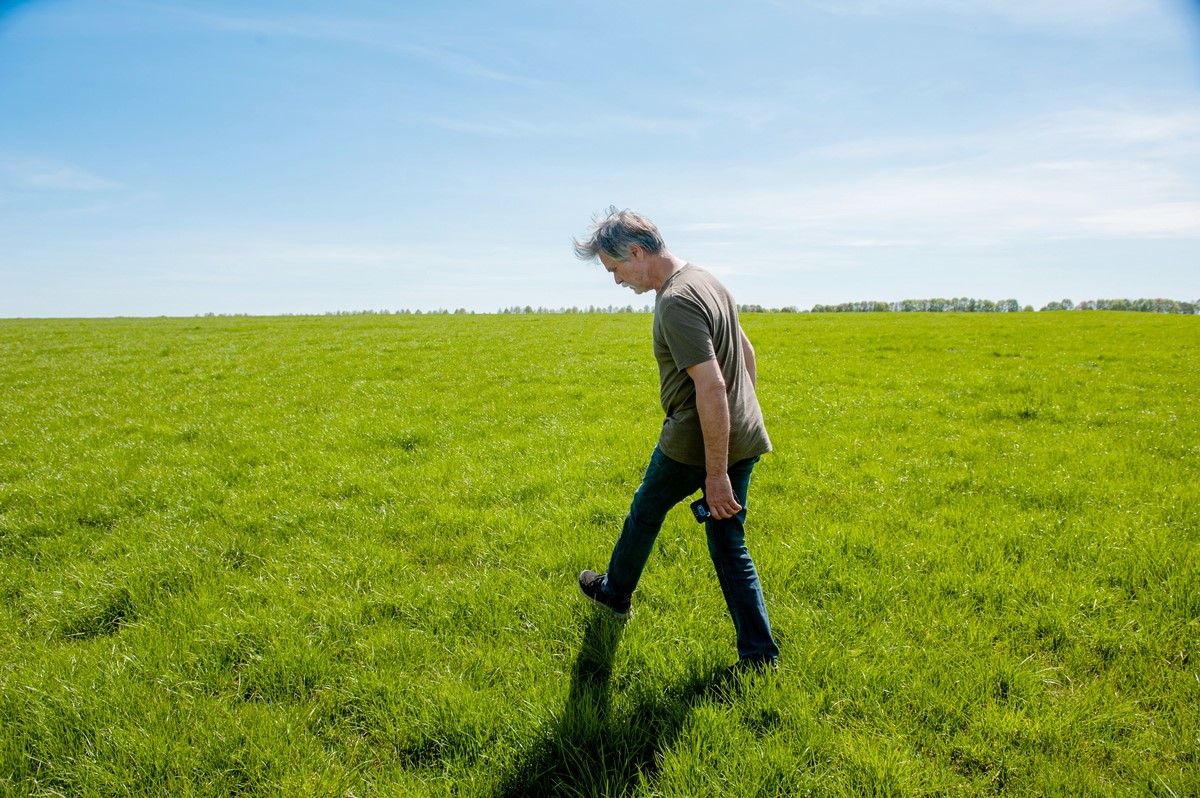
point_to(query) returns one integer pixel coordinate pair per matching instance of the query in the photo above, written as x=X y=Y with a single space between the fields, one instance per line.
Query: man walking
x=713 y=433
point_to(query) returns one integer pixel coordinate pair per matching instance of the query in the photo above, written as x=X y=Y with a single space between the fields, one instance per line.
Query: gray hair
x=614 y=232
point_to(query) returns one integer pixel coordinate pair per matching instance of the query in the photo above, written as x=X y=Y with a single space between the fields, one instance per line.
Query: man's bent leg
x=738 y=576
x=666 y=483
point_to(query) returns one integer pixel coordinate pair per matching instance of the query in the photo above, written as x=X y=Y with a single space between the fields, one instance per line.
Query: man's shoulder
x=691 y=274
x=692 y=284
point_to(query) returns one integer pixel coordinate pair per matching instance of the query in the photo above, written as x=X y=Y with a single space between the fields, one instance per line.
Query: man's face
x=633 y=273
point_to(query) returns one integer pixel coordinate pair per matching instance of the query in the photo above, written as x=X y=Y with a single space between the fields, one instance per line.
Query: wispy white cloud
x=526 y=127
x=979 y=207
x=1075 y=175
x=747 y=109
x=1161 y=220
x=386 y=36
x=696 y=227
x=49 y=175
x=340 y=254
x=1139 y=133
x=1078 y=14
x=507 y=127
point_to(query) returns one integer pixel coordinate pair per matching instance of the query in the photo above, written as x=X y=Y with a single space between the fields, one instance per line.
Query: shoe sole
x=619 y=615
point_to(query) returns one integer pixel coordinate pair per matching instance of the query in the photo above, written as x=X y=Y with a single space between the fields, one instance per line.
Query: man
x=713 y=433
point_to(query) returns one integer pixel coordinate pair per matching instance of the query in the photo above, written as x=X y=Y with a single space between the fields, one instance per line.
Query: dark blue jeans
x=666 y=483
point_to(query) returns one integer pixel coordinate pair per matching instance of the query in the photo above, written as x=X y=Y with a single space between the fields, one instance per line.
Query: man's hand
x=718 y=494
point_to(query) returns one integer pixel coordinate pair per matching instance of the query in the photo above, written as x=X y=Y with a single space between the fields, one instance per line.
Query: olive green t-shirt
x=695 y=320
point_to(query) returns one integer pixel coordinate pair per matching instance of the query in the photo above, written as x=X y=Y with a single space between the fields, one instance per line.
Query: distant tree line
x=956 y=305
x=969 y=305
x=514 y=310
x=761 y=309
x=1137 y=305
x=517 y=309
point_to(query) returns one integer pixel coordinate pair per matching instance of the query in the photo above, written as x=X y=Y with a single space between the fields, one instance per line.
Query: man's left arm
x=712 y=404
x=748 y=357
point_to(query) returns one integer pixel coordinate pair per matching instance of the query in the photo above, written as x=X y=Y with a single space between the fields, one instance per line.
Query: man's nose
x=616 y=278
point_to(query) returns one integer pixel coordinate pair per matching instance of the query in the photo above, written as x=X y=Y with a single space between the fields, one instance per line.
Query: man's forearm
x=712 y=405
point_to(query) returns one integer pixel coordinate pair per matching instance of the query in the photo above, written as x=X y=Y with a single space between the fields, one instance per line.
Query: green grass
x=337 y=556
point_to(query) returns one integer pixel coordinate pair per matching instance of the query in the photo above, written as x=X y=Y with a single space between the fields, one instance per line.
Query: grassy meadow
x=336 y=556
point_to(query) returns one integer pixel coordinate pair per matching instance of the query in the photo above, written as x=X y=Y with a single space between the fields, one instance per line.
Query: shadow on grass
x=590 y=750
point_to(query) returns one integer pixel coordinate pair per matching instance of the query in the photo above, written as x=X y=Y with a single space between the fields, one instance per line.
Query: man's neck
x=663 y=267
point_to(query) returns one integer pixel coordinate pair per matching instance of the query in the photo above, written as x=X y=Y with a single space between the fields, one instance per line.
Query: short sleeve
x=687 y=331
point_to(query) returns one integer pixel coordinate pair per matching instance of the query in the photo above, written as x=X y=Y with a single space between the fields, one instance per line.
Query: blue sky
x=181 y=158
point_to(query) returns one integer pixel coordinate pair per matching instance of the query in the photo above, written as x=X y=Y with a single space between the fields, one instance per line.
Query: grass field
x=336 y=556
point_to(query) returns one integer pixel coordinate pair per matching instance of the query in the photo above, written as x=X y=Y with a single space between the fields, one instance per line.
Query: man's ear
x=636 y=252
